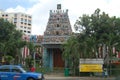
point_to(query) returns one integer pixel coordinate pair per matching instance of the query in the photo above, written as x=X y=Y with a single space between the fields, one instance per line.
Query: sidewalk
x=60 y=76
x=54 y=75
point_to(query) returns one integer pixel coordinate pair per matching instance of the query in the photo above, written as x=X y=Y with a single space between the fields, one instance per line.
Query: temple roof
x=58 y=28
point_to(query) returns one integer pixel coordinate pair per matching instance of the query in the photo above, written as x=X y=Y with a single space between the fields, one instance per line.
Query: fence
x=114 y=69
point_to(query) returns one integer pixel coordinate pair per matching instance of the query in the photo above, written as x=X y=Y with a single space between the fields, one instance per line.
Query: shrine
x=58 y=30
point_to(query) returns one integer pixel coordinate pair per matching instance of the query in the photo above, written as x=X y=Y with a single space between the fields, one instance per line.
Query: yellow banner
x=90 y=68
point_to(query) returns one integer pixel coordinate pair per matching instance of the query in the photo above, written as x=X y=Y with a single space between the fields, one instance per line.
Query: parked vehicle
x=16 y=72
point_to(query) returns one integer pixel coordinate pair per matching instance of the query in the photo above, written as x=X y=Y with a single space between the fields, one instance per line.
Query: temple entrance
x=55 y=35
x=57 y=58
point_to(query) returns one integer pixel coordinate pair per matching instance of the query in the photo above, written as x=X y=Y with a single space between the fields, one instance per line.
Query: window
x=15 y=20
x=29 y=24
x=29 y=21
x=25 y=15
x=21 y=19
x=25 y=20
x=6 y=14
x=15 y=23
x=16 y=69
x=29 y=28
x=29 y=16
x=5 y=69
x=29 y=32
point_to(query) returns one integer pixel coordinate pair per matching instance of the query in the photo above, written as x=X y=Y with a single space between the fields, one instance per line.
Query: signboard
x=91 y=68
x=91 y=61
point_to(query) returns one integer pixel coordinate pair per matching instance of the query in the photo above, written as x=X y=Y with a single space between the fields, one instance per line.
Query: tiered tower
x=58 y=30
x=58 y=27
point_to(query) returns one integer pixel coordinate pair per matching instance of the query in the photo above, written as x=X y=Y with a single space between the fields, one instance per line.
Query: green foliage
x=10 y=39
x=8 y=59
x=28 y=61
x=71 y=53
x=42 y=69
x=95 y=30
x=98 y=28
x=31 y=47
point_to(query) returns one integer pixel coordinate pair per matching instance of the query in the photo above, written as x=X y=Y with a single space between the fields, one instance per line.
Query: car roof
x=10 y=66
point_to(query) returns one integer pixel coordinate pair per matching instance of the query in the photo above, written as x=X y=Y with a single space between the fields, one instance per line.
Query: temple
x=58 y=30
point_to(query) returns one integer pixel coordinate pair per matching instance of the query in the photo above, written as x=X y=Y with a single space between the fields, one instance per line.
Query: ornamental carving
x=58 y=28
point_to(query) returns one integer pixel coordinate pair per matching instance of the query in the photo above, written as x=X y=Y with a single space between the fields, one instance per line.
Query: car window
x=5 y=69
x=16 y=69
x=22 y=70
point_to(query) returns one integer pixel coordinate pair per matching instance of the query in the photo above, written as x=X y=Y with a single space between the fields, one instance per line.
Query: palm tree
x=71 y=53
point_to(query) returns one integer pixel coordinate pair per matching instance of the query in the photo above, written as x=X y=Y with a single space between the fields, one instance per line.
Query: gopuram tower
x=58 y=30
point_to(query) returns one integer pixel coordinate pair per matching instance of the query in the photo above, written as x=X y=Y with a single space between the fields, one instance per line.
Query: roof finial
x=58 y=6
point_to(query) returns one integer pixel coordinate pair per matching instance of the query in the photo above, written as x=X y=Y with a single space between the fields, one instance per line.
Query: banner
x=91 y=68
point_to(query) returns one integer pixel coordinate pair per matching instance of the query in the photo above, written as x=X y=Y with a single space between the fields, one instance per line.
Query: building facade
x=58 y=30
x=22 y=21
x=38 y=52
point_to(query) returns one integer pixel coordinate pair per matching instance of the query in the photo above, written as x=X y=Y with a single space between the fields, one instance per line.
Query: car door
x=5 y=73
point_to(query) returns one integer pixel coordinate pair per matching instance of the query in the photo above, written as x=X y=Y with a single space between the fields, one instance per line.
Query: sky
x=39 y=9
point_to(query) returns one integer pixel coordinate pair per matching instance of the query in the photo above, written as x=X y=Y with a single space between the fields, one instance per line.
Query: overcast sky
x=39 y=9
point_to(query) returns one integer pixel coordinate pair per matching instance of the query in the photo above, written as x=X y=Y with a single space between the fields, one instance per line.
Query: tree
x=86 y=38
x=98 y=29
x=10 y=39
x=71 y=54
x=31 y=47
x=29 y=59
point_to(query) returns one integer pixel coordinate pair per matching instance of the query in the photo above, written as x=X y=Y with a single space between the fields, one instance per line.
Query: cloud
x=40 y=16
x=17 y=9
x=113 y=8
x=40 y=10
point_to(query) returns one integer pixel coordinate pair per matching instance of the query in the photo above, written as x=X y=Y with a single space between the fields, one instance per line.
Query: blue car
x=16 y=72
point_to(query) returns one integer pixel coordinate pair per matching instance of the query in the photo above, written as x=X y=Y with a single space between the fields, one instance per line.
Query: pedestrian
x=32 y=69
x=106 y=73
